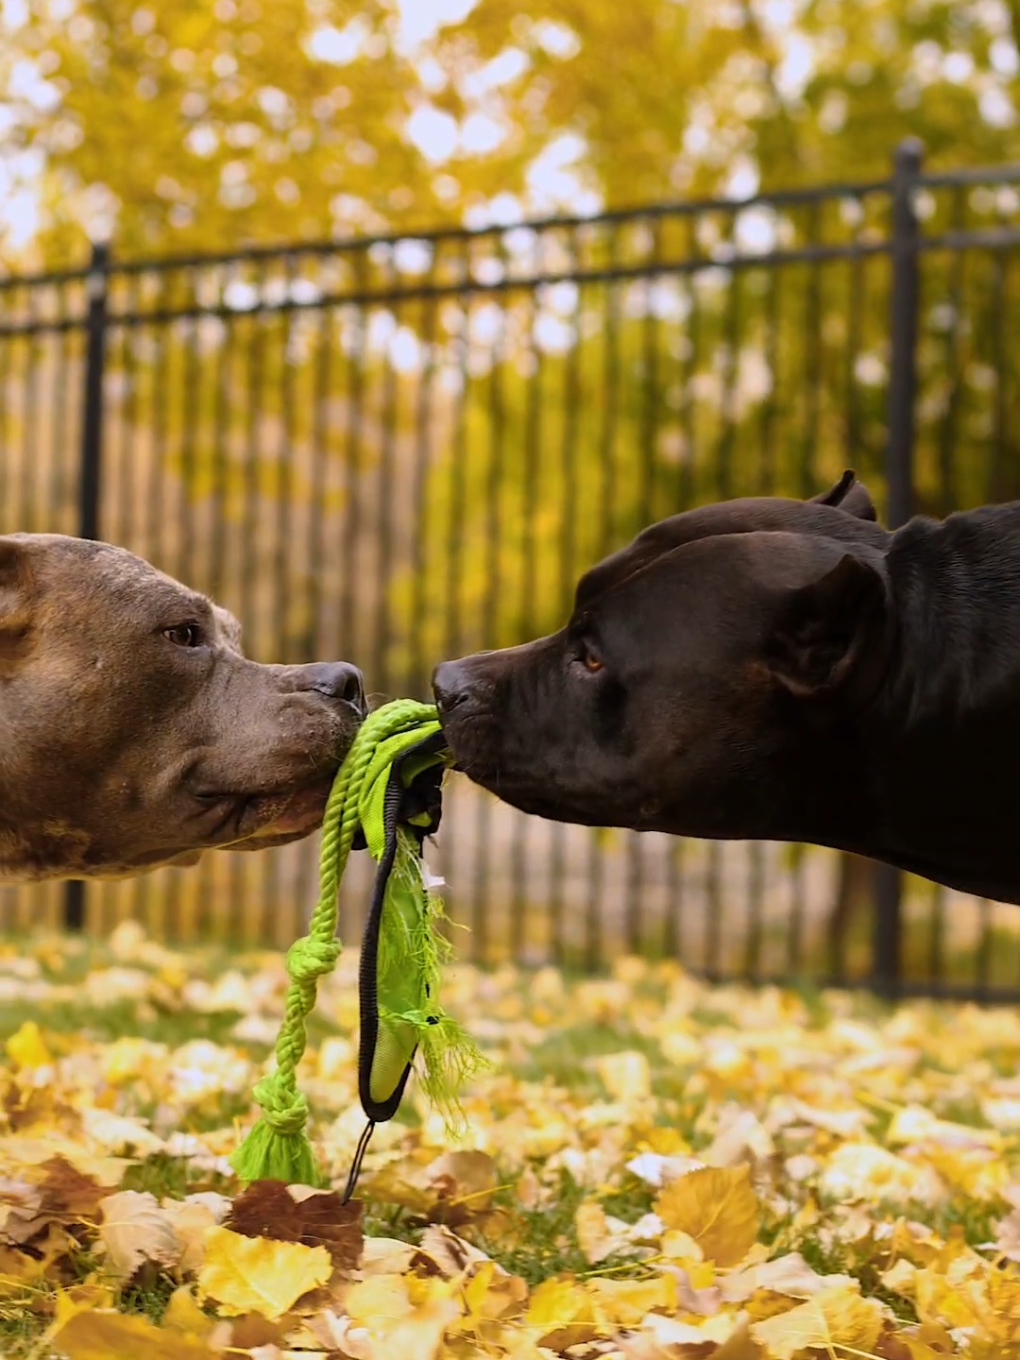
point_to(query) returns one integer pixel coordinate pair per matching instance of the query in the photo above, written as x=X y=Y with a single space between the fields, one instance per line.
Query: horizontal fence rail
x=399 y=449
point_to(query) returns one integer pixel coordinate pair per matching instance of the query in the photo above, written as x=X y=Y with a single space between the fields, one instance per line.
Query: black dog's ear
x=850 y=496
x=14 y=595
x=831 y=634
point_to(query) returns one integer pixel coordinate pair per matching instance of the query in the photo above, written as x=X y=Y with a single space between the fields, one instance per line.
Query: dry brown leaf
x=20 y=1210
x=66 y=1190
x=594 y=1235
x=115 y=1133
x=463 y=1184
x=789 y=1275
x=386 y=1256
x=190 y=1218
x=252 y=1330
x=300 y=1214
x=265 y=1209
x=450 y=1253
x=1007 y=1236
x=453 y=1188
x=134 y=1229
x=36 y=1150
x=717 y=1207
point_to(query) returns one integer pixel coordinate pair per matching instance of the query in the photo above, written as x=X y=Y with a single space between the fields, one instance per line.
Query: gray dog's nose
x=450 y=685
x=338 y=680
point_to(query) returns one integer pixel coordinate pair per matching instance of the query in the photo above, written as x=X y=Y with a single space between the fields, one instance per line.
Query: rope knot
x=309 y=958
x=284 y=1110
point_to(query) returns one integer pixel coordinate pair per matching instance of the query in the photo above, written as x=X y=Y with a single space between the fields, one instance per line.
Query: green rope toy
x=388 y=788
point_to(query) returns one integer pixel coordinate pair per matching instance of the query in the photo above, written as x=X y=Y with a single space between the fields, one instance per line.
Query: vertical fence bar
x=91 y=467
x=887 y=960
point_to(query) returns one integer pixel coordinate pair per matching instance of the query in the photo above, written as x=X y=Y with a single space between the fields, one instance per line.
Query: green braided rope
x=277 y=1148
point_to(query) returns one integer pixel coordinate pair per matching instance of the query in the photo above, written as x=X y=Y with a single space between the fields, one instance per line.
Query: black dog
x=779 y=670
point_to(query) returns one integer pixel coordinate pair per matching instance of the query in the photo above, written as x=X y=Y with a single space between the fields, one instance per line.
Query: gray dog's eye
x=184 y=635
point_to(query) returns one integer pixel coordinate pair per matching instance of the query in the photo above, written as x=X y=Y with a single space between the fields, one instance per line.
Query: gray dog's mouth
x=252 y=821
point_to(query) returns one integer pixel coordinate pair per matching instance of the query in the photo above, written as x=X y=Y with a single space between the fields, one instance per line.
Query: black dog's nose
x=450 y=685
x=338 y=680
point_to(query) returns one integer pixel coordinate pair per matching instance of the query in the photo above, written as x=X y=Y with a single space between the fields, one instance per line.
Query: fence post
x=899 y=471
x=91 y=467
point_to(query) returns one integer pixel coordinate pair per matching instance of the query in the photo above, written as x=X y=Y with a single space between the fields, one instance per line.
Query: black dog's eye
x=184 y=635
x=590 y=661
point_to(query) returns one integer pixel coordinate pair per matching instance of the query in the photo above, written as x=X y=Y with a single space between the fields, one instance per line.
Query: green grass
x=103 y=1024
x=834 y=1260
x=148 y=1294
x=564 y=1056
x=545 y=1240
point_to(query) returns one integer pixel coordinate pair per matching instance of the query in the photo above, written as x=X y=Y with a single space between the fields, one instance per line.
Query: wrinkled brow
x=229 y=628
x=746 y=516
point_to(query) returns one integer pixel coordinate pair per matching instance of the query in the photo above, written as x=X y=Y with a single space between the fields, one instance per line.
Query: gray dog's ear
x=14 y=598
x=850 y=496
x=830 y=634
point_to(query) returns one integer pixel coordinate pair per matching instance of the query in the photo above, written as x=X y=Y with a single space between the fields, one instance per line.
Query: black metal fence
x=395 y=450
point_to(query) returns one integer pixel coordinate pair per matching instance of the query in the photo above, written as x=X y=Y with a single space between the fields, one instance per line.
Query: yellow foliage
x=717 y=1208
x=255 y=1274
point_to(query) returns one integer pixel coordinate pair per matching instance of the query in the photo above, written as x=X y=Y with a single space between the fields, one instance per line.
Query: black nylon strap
x=398 y=804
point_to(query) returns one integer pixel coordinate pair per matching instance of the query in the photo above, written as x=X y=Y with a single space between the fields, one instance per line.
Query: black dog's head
x=719 y=641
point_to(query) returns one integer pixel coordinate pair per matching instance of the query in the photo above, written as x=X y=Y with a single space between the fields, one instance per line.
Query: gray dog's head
x=134 y=733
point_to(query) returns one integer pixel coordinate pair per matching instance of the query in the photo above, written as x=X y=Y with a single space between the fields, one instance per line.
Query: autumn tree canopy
x=199 y=125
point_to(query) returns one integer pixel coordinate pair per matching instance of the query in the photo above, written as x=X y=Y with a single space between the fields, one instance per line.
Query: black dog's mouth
x=472 y=738
x=480 y=751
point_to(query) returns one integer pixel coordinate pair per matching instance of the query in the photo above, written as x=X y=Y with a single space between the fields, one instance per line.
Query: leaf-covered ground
x=653 y=1168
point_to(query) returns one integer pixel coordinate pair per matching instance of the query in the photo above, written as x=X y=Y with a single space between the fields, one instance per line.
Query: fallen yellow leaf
x=379 y=1298
x=493 y=1293
x=117 y=1336
x=563 y=1312
x=184 y=1315
x=834 y=1317
x=717 y=1207
x=256 y=1274
x=626 y=1302
x=626 y=1076
x=26 y=1047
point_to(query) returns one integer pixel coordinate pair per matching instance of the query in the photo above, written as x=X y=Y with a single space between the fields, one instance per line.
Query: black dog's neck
x=956 y=591
x=951 y=702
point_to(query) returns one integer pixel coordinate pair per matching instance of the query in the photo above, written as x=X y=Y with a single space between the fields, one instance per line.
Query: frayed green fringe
x=270 y=1154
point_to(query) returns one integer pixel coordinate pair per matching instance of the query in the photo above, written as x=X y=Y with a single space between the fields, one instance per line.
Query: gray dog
x=134 y=733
